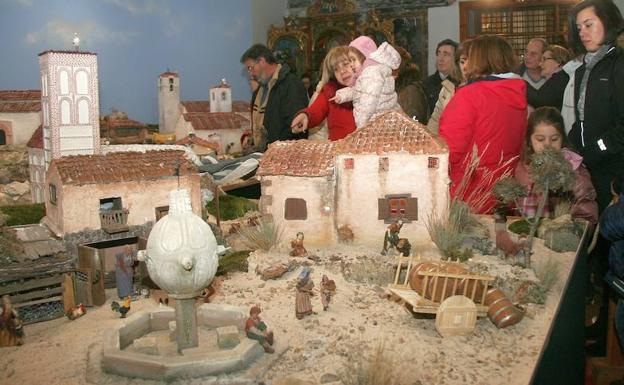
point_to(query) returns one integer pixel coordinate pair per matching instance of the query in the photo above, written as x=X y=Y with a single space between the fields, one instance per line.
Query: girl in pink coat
x=546 y=129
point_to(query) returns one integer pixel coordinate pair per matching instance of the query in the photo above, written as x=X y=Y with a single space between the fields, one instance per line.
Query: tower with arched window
x=168 y=102
x=69 y=104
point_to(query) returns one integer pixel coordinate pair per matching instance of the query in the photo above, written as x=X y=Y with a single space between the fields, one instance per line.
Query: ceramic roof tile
x=204 y=106
x=391 y=132
x=114 y=123
x=215 y=120
x=169 y=73
x=20 y=101
x=122 y=167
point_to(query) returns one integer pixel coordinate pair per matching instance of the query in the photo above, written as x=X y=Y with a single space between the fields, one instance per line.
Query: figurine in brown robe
x=297 y=246
x=328 y=288
x=11 y=331
x=303 y=305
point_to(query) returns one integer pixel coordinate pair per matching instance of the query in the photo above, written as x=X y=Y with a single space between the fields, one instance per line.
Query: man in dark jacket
x=445 y=61
x=279 y=97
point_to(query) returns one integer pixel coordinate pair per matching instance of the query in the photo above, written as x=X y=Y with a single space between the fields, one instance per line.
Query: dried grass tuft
x=264 y=235
x=378 y=368
x=548 y=273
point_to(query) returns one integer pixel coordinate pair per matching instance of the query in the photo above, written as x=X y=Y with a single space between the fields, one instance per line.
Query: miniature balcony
x=114 y=221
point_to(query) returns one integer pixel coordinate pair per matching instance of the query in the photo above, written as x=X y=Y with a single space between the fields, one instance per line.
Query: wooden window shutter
x=411 y=213
x=383 y=206
x=295 y=209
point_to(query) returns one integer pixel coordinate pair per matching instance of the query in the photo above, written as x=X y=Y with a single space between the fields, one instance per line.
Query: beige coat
x=446 y=93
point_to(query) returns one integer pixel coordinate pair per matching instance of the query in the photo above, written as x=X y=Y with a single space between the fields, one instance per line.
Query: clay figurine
x=303 y=305
x=11 y=331
x=328 y=288
x=124 y=272
x=124 y=308
x=257 y=330
x=392 y=240
x=297 y=246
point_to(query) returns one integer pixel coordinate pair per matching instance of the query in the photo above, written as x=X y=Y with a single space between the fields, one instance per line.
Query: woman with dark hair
x=551 y=92
x=598 y=133
x=489 y=114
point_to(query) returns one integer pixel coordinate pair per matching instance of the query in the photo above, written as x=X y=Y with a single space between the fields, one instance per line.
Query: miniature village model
x=340 y=277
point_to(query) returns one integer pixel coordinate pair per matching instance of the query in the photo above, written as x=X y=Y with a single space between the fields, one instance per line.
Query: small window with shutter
x=398 y=206
x=348 y=163
x=295 y=209
x=433 y=162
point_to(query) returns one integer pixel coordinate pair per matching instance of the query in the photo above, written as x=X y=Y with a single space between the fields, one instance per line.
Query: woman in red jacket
x=337 y=73
x=489 y=115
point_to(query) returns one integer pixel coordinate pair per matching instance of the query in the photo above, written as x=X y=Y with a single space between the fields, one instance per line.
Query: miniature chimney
x=221 y=97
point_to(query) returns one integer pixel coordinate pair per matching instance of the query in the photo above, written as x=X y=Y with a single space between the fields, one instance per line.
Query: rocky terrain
x=14 y=178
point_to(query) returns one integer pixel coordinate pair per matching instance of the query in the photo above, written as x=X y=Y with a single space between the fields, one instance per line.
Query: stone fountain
x=181 y=258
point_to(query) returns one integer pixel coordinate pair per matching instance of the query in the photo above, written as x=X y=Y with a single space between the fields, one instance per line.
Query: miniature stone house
x=117 y=190
x=123 y=130
x=20 y=115
x=391 y=169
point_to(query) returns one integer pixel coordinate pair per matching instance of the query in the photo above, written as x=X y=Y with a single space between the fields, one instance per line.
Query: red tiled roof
x=20 y=101
x=391 y=132
x=122 y=167
x=193 y=139
x=114 y=123
x=298 y=158
x=240 y=106
x=168 y=73
x=204 y=106
x=36 y=140
x=215 y=120
x=196 y=105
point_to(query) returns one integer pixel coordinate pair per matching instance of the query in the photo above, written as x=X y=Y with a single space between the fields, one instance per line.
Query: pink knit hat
x=364 y=44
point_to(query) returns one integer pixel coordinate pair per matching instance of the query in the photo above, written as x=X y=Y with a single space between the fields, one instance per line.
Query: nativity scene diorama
x=356 y=253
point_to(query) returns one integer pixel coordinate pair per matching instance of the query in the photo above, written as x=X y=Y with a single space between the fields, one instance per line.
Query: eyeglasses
x=548 y=58
x=250 y=67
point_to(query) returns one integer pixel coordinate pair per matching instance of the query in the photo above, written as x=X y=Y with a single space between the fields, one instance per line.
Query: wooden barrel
x=500 y=309
x=417 y=282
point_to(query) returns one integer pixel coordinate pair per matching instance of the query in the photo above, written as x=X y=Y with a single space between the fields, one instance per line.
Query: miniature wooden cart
x=416 y=303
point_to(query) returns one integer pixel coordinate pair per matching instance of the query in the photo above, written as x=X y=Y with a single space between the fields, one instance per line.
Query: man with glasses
x=445 y=61
x=279 y=97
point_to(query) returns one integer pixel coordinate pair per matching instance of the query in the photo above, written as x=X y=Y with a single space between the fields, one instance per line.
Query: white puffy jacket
x=373 y=92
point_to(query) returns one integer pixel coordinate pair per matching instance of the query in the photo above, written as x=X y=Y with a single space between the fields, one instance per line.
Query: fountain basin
x=195 y=362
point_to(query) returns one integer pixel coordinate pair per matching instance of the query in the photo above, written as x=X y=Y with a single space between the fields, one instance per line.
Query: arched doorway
x=6 y=132
x=2 y=137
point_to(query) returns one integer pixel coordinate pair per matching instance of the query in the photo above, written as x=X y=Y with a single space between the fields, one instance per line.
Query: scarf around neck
x=591 y=59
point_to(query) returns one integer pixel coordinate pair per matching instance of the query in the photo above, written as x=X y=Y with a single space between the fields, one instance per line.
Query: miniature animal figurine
x=297 y=246
x=11 y=330
x=123 y=309
x=303 y=305
x=76 y=312
x=392 y=240
x=257 y=330
x=328 y=288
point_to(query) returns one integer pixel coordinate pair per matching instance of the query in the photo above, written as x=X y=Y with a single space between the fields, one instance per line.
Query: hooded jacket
x=287 y=96
x=491 y=115
x=373 y=92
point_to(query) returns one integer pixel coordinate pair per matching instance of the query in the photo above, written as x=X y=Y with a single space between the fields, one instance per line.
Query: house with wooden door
x=391 y=169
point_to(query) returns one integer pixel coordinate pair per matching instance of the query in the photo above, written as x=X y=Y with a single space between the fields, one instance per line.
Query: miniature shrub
x=521 y=227
x=264 y=235
x=231 y=207
x=23 y=214
x=548 y=273
x=236 y=261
